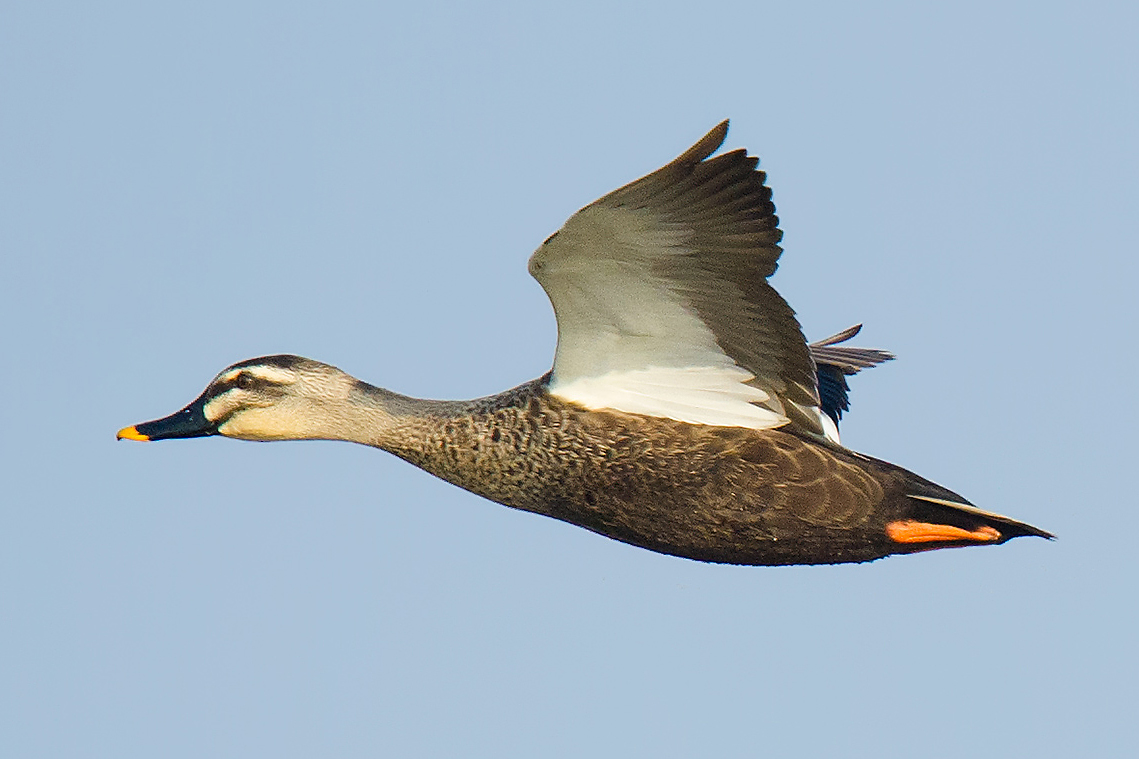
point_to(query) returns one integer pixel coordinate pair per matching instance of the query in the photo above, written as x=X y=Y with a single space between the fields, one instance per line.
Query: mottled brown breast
x=712 y=493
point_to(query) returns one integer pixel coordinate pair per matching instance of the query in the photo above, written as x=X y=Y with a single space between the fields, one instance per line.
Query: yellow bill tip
x=130 y=433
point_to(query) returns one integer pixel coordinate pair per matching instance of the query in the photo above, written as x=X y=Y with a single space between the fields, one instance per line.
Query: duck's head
x=268 y=398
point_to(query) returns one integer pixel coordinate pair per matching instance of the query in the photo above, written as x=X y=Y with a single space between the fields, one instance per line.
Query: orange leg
x=910 y=531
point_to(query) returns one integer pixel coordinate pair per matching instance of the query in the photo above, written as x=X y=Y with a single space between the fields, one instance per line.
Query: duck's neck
x=385 y=419
x=460 y=441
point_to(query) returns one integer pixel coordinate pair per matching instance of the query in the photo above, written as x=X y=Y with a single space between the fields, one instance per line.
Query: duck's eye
x=245 y=381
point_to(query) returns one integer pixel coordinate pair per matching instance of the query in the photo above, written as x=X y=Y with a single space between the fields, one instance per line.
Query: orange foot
x=910 y=531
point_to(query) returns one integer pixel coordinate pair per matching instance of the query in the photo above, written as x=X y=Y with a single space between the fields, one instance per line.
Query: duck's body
x=719 y=494
x=684 y=414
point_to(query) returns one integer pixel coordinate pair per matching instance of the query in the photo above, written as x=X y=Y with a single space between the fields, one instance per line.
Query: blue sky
x=183 y=188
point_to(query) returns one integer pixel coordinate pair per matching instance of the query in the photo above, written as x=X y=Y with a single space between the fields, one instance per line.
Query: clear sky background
x=362 y=183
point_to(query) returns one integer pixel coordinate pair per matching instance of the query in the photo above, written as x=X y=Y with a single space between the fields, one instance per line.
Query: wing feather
x=834 y=363
x=670 y=273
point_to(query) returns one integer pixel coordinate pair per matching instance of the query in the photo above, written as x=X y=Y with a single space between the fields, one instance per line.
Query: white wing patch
x=830 y=429
x=713 y=395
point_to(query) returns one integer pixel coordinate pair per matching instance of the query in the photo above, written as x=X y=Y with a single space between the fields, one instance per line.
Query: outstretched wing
x=834 y=363
x=663 y=306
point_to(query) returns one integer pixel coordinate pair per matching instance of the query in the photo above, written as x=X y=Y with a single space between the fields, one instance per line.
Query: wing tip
x=839 y=337
x=705 y=146
x=848 y=359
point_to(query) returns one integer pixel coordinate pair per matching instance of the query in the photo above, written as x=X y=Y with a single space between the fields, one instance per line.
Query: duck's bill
x=189 y=422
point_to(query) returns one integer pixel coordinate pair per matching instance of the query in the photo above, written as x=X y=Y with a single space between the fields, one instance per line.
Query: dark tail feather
x=926 y=516
x=969 y=517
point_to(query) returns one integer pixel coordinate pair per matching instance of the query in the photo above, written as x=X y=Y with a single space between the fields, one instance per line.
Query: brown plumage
x=685 y=413
x=721 y=494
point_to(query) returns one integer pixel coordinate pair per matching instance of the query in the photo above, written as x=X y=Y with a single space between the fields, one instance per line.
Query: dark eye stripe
x=244 y=381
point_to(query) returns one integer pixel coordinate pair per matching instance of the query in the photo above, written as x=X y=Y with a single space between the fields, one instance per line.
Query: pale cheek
x=247 y=427
x=251 y=425
x=219 y=407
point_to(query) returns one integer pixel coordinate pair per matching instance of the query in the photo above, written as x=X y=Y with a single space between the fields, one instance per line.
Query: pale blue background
x=362 y=184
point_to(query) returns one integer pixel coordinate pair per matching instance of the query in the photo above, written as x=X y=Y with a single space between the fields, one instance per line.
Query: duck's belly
x=750 y=503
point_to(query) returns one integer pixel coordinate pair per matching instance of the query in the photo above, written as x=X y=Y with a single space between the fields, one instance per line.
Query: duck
x=685 y=412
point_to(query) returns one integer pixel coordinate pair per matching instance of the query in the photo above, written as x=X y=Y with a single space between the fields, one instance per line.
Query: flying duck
x=685 y=412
